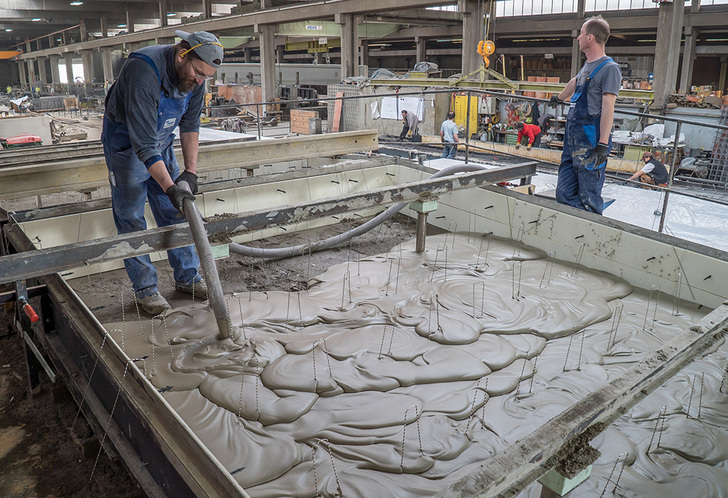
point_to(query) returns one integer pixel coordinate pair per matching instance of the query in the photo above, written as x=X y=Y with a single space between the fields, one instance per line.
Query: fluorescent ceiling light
x=171 y=14
x=36 y=19
x=8 y=30
x=121 y=26
x=76 y=3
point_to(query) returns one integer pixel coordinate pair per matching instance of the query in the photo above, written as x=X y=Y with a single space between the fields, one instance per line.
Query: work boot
x=199 y=288
x=154 y=304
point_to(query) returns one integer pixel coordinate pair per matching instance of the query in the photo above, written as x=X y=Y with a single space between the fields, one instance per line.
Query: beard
x=186 y=86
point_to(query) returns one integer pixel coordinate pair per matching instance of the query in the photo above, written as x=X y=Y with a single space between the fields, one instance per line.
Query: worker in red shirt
x=529 y=130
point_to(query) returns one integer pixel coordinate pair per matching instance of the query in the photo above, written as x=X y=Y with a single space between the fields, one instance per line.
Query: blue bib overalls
x=580 y=181
x=132 y=185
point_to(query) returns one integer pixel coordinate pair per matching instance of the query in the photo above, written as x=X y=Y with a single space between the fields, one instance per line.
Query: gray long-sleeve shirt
x=134 y=100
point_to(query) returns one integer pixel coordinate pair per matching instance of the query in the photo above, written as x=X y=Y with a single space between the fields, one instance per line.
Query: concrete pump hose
x=288 y=252
x=209 y=268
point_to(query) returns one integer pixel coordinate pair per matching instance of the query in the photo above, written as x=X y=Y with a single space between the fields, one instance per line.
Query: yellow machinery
x=460 y=107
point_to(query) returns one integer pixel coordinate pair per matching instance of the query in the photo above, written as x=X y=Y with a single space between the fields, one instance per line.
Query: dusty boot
x=154 y=304
x=199 y=291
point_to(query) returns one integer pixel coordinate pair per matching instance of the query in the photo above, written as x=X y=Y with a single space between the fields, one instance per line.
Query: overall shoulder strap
x=149 y=61
x=599 y=67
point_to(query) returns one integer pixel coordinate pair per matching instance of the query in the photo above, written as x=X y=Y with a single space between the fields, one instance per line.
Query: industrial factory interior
x=286 y=248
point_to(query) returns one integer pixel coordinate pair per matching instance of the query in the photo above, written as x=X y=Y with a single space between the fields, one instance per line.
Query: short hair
x=519 y=125
x=646 y=155
x=404 y=111
x=183 y=46
x=598 y=27
x=451 y=115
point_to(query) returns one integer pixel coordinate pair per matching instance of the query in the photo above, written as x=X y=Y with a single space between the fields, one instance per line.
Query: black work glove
x=600 y=154
x=177 y=195
x=190 y=178
x=554 y=101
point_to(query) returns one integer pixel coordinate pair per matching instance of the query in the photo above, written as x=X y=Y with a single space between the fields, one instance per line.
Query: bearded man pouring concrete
x=159 y=88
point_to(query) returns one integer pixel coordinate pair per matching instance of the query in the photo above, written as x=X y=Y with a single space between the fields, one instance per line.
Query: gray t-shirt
x=607 y=80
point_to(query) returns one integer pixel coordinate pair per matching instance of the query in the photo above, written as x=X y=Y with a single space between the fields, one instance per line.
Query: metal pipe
x=467 y=130
x=421 y=232
x=673 y=168
x=209 y=268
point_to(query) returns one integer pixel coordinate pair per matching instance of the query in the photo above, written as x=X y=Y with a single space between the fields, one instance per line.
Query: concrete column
x=69 y=67
x=88 y=65
x=42 y=74
x=723 y=71
x=688 y=62
x=129 y=21
x=667 y=51
x=364 y=53
x=581 y=9
x=106 y=62
x=84 y=31
x=104 y=27
x=39 y=44
x=163 y=14
x=248 y=54
x=206 y=9
x=349 y=44
x=421 y=44
x=51 y=41
x=473 y=31
x=55 y=73
x=280 y=49
x=267 y=35
x=32 y=77
x=23 y=75
x=575 y=53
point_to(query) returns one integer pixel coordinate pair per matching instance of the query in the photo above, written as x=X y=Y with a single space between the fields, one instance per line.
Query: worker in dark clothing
x=529 y=131
x=409 y=125
x=159 y=88
x=588 y=137
x=653 y=172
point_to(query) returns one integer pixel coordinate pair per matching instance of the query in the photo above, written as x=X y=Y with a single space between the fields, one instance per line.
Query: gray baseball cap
x=206 y=46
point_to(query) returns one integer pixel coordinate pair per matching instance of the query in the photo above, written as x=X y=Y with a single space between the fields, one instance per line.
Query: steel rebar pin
x=662 y=426
x=690 y=400
x=700 y=398
x=520 y=379
x=391 y=340
x=619 y=476
x=477 y=259
x=257 y=397
x=472 y=405
x=657 y=426
x=486 y=397
x=328 y=361
x=581 y=349
x=333 y=466
x=404 y=434
x=578 y=259
x=315 y=377
x=617 y=317
x=657 y=304
x=138 y=312
x=300 y=311
x=240 y=398
x=676 y=301
x=609 y=479
x=453 y=231
x=242 y=320
x=315 y=476
x=722 y=382
x=108 y=423
x=88 y=384
x=647 y=309
x=389 y=277
x=381 y=346
x=399 y=265
x=568 y=349
x=437 y=304
x=535 y=365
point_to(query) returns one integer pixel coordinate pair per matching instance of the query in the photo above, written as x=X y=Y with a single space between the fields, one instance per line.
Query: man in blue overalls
x=588 y=137
x=159 y=88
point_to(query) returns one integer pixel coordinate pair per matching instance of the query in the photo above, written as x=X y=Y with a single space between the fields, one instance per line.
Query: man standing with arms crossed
x=159 y=88
x=588 y=138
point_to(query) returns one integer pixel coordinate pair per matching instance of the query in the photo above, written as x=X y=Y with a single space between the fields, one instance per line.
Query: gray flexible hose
x=289 y=252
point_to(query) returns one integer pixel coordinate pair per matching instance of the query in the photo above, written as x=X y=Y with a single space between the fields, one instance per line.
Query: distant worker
x=530 y=131
x=449 y=135
x=159 y=87
x=653 y=172
x=37 y=91
x=9 y=89
x=409 y=124
x=588 y=139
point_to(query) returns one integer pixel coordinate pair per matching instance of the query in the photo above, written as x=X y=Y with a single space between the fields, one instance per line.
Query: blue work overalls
x=580 y=180
x=132 y=185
